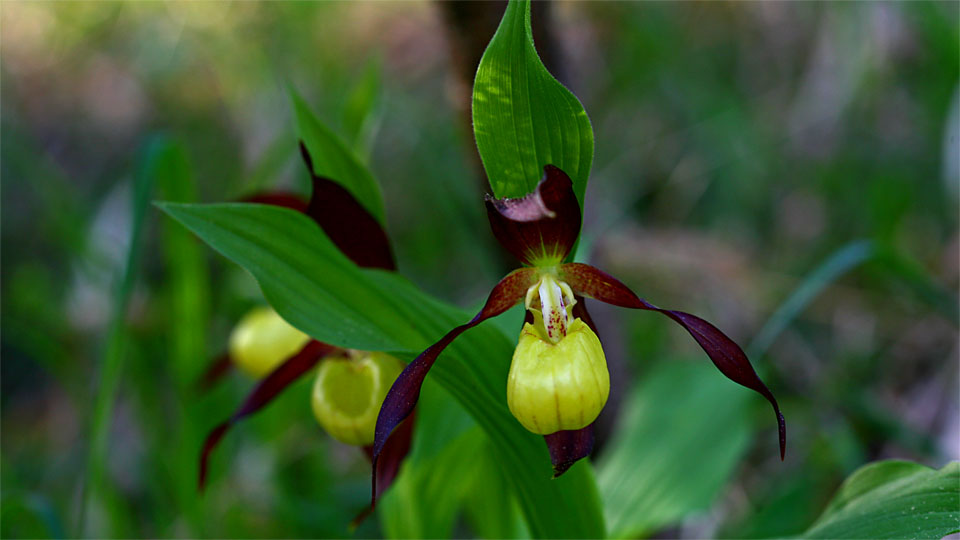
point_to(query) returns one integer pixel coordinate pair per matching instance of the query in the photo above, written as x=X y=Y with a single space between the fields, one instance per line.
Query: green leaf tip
x=523 y=118
x=333 y=159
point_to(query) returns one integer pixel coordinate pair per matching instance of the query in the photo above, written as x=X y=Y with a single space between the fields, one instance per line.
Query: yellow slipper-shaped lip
x=348 y=392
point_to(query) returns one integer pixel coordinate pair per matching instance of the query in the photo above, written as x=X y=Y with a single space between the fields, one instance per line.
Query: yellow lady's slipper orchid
x=558 y=377
x=558 y=381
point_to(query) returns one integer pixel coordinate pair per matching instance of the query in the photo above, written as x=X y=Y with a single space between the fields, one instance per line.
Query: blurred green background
x=746 y=154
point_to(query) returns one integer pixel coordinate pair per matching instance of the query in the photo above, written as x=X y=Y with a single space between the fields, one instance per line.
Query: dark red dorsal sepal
x=541 y=228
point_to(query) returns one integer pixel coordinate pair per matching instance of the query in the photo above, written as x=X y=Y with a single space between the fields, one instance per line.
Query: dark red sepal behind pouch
x=568 y=447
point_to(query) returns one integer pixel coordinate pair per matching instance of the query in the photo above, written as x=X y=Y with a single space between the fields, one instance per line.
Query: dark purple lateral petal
x=723 y=351
x=568 y=447
x=263 y=393
x=393 y=453
x=544 y=225
x=279 y=198
x=216 y=371
x=388 y=466
x=347 y=223
x=403 y=395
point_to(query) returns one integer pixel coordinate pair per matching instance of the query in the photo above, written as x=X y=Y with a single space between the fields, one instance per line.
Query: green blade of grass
x=839 y=263
x=111 y=364
x=188 y=304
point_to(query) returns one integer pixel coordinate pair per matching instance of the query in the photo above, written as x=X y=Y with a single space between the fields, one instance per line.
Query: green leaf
x=425 y=501
x=523 y=118
x=333 y=159
x=281 y=248
x=893 y=499
x=488 y=508
x=426 y=497
x=676 y=445
x=187 y=291
x=315 y=288
x=434 y=487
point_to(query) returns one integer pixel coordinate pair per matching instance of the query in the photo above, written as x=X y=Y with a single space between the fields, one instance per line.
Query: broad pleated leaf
x=893 y=499
x=315 y=288
x=333 y=159
x=680 y=437
x=486 y=510
x=523 y=118
x=428 y=495
x=288 y=255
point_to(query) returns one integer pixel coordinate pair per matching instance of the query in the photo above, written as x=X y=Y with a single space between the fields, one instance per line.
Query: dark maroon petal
x=403 y=395
x=568 y=447
x=391 y=457
x=217 y=370
x=726 y=355
x=542 y=226
x=344 y=220
x=262 y=394
x=279 y=198
x=388 y=466
x=347 y=223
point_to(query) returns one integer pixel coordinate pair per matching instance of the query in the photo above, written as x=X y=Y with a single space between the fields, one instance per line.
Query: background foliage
x=743 y=153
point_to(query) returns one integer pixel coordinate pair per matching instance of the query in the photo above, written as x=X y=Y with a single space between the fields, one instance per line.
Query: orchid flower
x=558 y=381
x=349 y=385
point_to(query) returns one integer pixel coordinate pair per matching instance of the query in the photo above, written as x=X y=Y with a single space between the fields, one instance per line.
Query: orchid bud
x=555 y=386
x=349 y=391
x=262 y=340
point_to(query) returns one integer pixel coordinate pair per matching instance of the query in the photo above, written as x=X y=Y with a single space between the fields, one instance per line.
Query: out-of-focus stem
x=105 y=389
